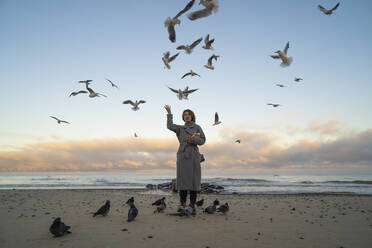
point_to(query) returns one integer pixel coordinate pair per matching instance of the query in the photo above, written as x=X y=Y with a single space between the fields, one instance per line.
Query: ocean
x=240 y=183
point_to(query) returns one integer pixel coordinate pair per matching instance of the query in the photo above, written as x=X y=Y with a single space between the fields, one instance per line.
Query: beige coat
x=188 y=156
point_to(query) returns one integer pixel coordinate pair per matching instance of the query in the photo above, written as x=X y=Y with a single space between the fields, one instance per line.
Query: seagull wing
x=128 y=101
x=65 y=122
x=206 y=39
x=189 y=91
x=286 y=48
x=101 y=94
x=90 y=90
x=82 y=91
x=275 y=56
x=187 y=7
x=141 y=101
x=210 y=41
x=55 y=118
x=181 y=47
x=187 y=74
x=175 y=91
x=321 y=8
x=199 y=14
x=336 y=6
x=173 y=57
x=166 y=55
x=172 y=33
x=195 y=43
x=210 y=60
x=216 y=118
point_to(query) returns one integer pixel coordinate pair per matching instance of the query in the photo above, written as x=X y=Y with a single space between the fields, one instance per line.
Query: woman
x=190 y=136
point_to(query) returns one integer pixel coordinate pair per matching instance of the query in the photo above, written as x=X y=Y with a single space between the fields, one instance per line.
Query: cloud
x=257 y=151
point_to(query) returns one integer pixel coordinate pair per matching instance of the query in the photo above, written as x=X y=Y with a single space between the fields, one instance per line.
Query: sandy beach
x=253 y=220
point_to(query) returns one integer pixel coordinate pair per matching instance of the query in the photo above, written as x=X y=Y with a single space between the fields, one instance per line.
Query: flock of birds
x=58 y=228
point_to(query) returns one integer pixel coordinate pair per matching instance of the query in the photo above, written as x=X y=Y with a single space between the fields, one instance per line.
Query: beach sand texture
x=253 y=221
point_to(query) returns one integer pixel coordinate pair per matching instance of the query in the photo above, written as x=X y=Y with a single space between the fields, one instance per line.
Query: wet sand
x=253 y=221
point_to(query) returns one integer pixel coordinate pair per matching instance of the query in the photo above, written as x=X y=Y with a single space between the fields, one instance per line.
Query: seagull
x=191 y=73
x=209 y=63
x=223 y=208
x=208 y=43
x=112 y=84
x=280 y=85
x=298 y=79
x=286 y=61
x=326 y=11
x=238 y=141
x=78 y=92
x=182 y=94
x=135 y=135
x=166 y=59
x=58 y=228
x=216 y=120
x=209 y=7
x=171 y=22
x=103 y=210
x=188 y=48
x=274 y=104
x=94 y=94
x=59 y=121
x=133 y=211
x=134 y=104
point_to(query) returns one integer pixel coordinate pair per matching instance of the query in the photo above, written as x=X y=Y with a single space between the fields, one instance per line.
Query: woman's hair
x=190 y=113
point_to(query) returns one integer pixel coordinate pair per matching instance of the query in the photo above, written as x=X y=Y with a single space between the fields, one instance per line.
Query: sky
x=47 y=46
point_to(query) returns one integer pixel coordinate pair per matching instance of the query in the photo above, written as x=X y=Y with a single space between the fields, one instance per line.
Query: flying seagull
x=216 y=119
x=274 y=104
x=134 y=104
x=112 y=84
x=182 y=94
x=286 y=61
x=209 y=64
x=188 y=48
x=92 y=93
x=78 y=92
x=238 y=141
x=280 y=85
x=191 y=73
x=208 y=43
x=326 y=11
x=209 y=7
x=171 y=22
x=58 y=120
x=297 y=79
x=166 y=59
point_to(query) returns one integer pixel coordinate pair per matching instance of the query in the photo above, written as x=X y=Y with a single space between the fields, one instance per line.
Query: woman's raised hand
x=167 y=107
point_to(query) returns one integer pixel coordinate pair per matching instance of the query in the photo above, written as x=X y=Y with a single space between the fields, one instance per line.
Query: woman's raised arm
x=173 y=127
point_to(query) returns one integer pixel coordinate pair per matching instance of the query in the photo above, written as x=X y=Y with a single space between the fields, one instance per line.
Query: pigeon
x=135 y=135
x=209 y=63
x=191 y=73
x=209 y=7
x=59 y=228
x=216 y=119
x=326 y=11
x=133 y=211
x=208 y=43
x=280 y=85
x=171 y=22
x=112 y=84
x=158 y=202
x=188 y=48
x=200 y=203
x=78 y=92
x=166 y=59
x=211 y=209
x=274 y=104
x=238 y=141
x=161 y=206
x=286 y=61
x=223 y=208
x=134 y=104
x=182 y=94
x=187 y=211
x=217 y=202
x=103 y=210
x=298 y=79
x=59 y=121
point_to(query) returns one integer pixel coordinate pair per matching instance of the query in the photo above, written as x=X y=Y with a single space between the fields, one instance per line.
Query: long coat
x=188 y=156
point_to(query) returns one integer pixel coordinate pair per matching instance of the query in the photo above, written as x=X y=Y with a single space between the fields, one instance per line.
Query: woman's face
x=187 y=117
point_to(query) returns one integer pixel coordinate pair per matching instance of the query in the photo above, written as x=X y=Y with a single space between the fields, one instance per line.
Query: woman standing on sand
x=190 y=135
